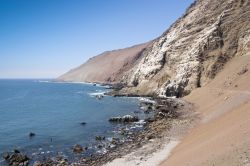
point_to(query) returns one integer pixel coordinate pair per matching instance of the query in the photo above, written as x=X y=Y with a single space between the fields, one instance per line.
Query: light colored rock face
x=188 y=55
x=194 y=49
x=244 y=44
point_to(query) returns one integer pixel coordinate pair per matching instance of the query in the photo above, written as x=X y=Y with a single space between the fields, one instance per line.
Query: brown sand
x=107 y=67
x=223 y=135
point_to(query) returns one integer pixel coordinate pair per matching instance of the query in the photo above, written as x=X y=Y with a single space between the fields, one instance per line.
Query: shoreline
x=151 y=144
x=159 y=148
x=154 y=143
x=153 y=159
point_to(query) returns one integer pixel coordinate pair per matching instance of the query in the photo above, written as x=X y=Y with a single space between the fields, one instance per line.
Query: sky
x=46 y=38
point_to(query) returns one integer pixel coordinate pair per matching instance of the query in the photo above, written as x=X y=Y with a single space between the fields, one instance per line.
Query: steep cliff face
x=107 y=67
x=194 y=49
x=188 y=55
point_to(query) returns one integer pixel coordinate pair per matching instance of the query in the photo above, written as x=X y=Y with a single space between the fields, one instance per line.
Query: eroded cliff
x=194 y=49
x=188 y=55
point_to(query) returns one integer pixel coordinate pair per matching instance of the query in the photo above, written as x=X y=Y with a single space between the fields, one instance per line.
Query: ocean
x=54 y=112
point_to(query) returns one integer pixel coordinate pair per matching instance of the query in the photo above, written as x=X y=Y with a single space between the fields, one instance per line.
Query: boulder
x=31 y=134
x=77 y=148
x=99 y=138
x=55 y=161
x=83 y=123
x=16 y=158
x=124 y=119
x=99 y=97
x=38 y=163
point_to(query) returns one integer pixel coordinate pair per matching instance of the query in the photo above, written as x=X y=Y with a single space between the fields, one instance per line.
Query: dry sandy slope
x=106 y=67
x=223 y=134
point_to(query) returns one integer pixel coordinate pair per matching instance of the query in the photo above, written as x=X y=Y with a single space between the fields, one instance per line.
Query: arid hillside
x=222 y=137
x=205 y=58
x=107 y=67
x=194 y=49
x=187 y=56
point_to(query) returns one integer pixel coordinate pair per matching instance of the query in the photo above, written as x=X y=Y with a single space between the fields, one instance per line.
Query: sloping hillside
x=107 y=67
x=223 y=135
x=204 y=56
x=194 y=49
x=188 y=55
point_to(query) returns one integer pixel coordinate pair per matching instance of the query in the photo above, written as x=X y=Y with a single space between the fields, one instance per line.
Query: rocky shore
x=172 y=117
x=168 y=113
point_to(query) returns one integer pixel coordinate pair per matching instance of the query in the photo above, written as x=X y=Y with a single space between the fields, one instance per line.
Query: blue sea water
x=54 y=111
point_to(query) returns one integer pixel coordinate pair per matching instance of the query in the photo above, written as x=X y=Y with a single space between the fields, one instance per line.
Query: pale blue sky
x=45 y=38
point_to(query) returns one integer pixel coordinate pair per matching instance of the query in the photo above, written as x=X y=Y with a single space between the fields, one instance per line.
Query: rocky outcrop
x=16 y=159
x=124 y=119
x=56 y=161
x=194 y=49
x=77 y=148
x=188 y=55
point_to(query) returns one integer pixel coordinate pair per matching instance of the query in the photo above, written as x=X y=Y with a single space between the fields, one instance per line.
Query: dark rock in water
x=115 y=141
x=16 y=151
x=124 y=119
x=147 y=105
x=56 y=161
x=129 y=118
x=6 y=156
x=16 y=159
x=77 y=148
x=83 y=123
x=31 y=134
x=99 y=138
x=115 y=119
x=94 y=84
x=99 y=97
x=137 y=112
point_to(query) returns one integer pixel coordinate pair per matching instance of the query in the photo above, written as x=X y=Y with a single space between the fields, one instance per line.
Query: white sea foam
x=80 y=92
x=140 y=122
x=147 y=100
x=70 y=82
x=43 y=81
x=98 y=93
x=63 y=82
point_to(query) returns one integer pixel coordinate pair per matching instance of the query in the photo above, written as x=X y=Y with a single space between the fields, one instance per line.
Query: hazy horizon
x=45 y=38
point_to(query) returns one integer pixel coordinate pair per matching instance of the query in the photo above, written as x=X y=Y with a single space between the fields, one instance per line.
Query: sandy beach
x=140 y=158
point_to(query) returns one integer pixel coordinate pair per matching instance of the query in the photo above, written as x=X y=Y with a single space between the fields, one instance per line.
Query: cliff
x=194 y=49
x=188 y=55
